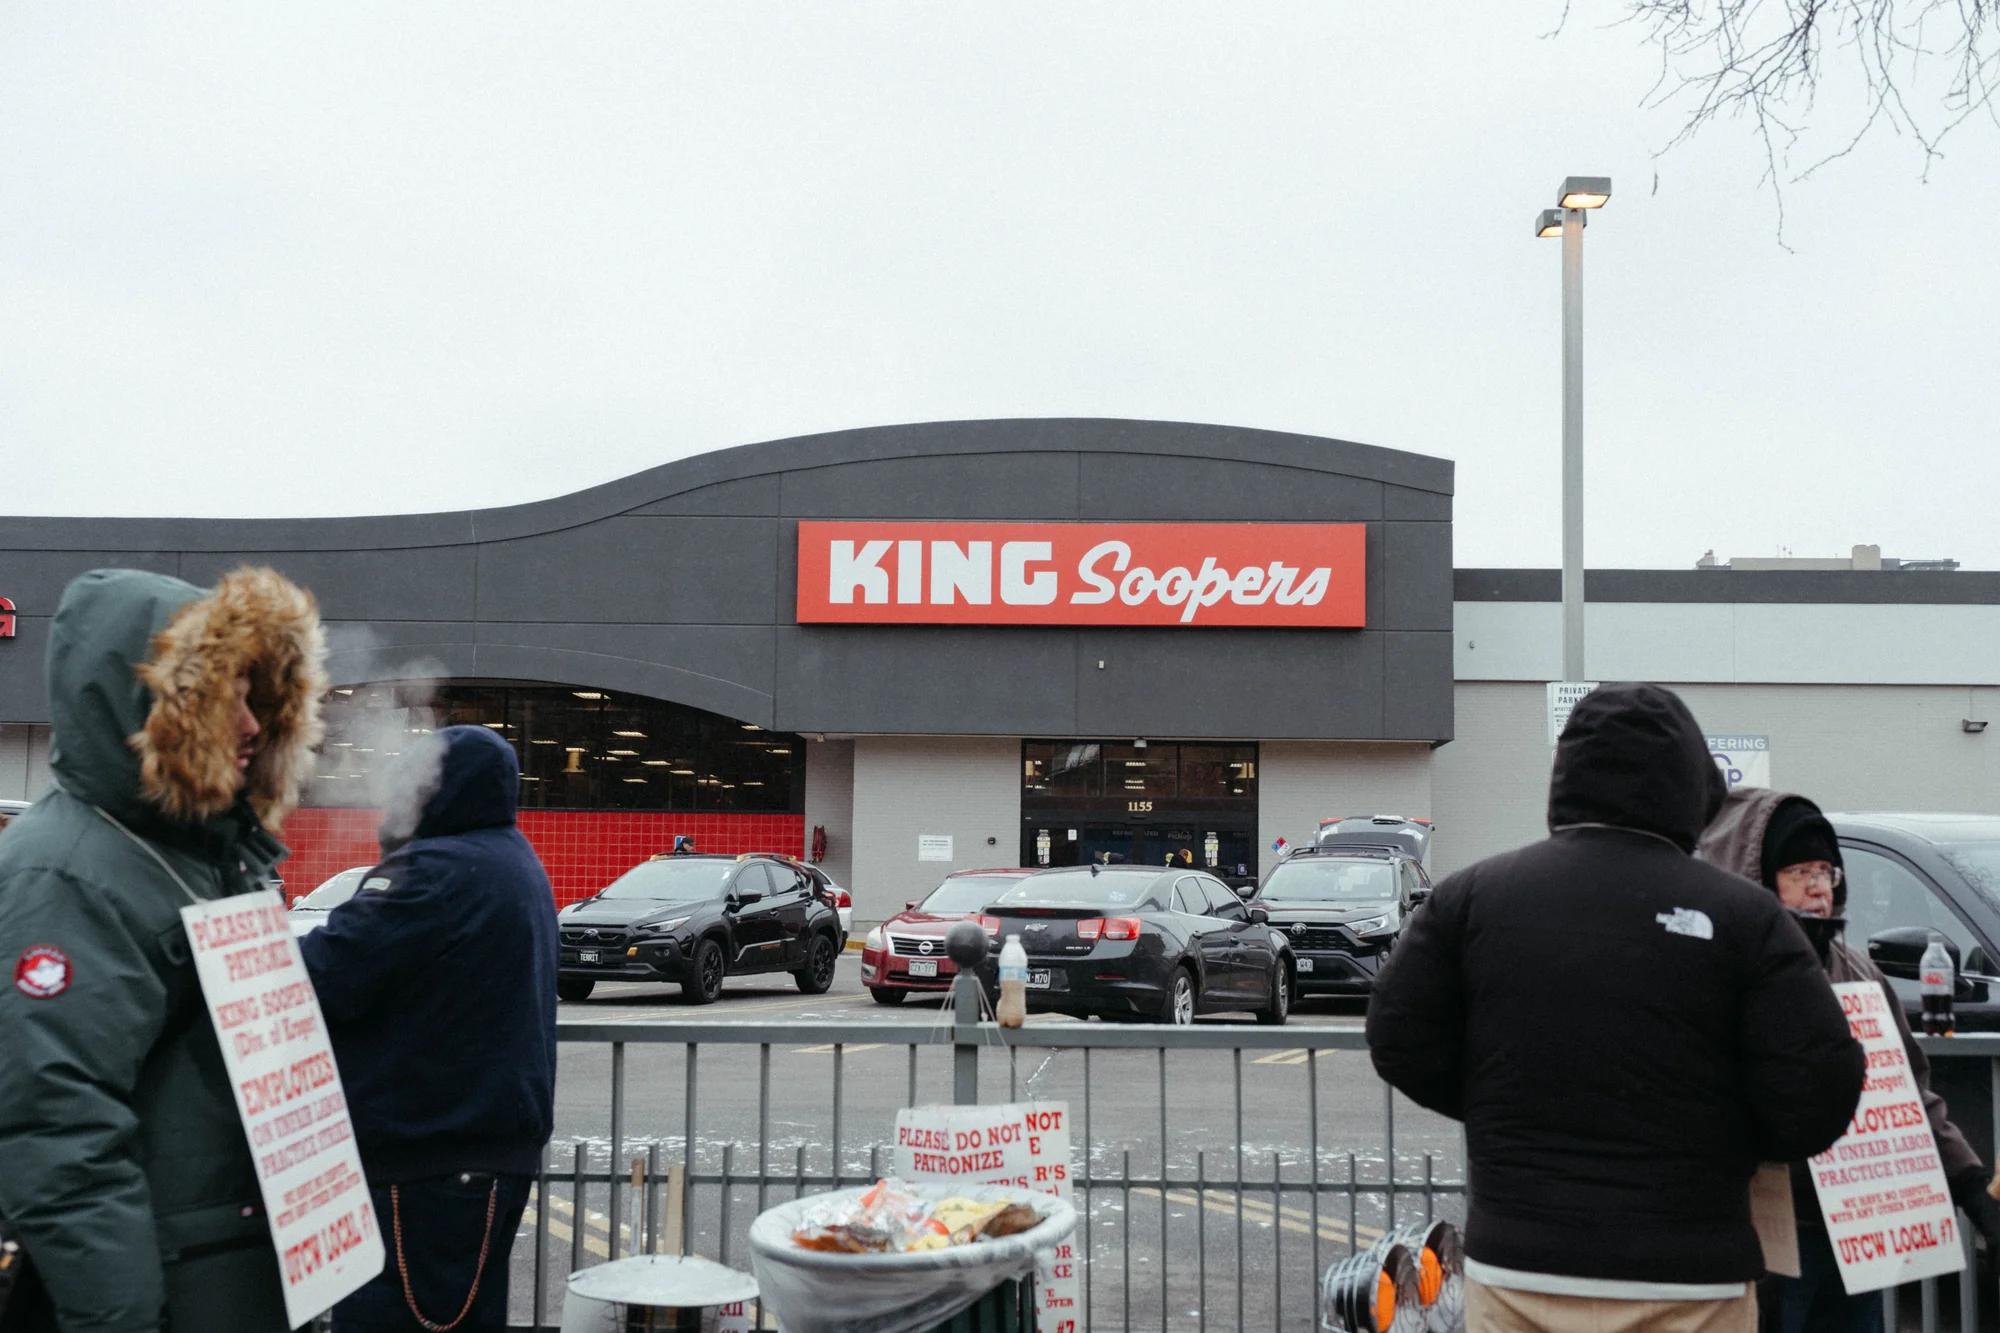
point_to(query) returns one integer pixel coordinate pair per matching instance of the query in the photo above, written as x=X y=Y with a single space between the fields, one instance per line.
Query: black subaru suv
x=696 y=919
x=1342 y=907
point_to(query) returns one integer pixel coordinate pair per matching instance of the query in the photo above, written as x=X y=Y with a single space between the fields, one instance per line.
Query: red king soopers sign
x=1272 y=575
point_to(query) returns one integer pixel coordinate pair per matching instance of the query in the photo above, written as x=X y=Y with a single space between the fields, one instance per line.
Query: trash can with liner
x=814 y=1291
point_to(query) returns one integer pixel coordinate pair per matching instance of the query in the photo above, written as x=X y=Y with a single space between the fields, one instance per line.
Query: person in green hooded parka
x=183 y=724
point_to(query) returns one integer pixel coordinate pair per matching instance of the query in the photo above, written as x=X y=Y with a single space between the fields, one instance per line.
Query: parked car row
x=1116 y=942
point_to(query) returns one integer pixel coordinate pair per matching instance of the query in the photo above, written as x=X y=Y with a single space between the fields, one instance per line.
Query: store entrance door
x=1221 y=846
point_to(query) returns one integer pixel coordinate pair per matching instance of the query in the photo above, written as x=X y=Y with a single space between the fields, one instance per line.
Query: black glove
x=1968 y=1191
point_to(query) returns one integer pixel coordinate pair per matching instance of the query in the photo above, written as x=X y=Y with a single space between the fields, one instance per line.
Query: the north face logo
x=1687 y=921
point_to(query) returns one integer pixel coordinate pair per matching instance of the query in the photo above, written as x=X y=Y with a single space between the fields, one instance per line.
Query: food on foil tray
x=889 y=1219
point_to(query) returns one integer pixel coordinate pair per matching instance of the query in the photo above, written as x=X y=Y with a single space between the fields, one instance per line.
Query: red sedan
x=905 y=954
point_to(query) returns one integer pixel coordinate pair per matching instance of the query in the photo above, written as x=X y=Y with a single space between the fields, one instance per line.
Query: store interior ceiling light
x=683 y=772
x=751 y=726
x=542 y=742
x=635 y=735
x=627 y=753
x=588 y=694
x=656 y=763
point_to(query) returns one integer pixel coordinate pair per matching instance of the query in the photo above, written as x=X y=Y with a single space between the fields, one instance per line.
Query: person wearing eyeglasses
x=1784 y=843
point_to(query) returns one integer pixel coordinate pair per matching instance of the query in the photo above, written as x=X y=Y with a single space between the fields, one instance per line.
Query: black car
x=697 y=919
x=1125 y=942
x=1342 y=907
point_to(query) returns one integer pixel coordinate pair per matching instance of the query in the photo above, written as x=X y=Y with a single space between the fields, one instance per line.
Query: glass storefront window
x=1219 y=772
x=580 y=749
x=1133 y=771
x=1062 y=768
x=1189 y=772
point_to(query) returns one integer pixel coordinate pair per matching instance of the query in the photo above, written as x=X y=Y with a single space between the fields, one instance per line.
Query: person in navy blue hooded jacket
x=438 y=982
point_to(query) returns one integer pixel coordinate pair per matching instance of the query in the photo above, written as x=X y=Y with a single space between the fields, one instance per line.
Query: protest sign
x=280 y=1065
x=1025 y=1144
x=1881 y=1186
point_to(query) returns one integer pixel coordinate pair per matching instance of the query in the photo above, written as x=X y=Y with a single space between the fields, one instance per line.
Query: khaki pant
x=1503 y=1310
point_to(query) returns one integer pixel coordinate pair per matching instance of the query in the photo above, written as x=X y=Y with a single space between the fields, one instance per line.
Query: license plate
x=1038 y=978
x=1305 y=964
x=587 y=956
x=923 y=967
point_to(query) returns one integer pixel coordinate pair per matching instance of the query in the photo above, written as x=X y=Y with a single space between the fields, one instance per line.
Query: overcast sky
x=354 y=258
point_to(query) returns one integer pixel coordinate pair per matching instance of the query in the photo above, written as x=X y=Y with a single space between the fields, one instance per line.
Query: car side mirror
x=1419 y=896
x=1245 y=891
x=743 y=898
x=1899 y=952
x=1259 y=917
x=911 y=905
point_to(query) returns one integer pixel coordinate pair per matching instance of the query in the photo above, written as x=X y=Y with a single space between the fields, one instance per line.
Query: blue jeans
x=1815 y=1301
x=444 y=1224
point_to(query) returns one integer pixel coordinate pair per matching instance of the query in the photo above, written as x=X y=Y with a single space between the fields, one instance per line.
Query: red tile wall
x=583 y=850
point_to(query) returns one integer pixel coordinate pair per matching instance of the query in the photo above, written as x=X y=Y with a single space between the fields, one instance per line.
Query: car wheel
x=884 y=995
x=705 y=973
x=1280 y=1008
x=816 y=977
x=569 y=988
x=1178 y=1007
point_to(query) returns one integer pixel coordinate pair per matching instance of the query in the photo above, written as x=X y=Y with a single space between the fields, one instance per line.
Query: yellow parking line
x=1219 y=1200
x=1296 y=1056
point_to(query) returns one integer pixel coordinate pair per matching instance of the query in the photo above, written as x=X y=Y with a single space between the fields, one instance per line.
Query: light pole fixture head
x=1550 y=223
x=1585 y=192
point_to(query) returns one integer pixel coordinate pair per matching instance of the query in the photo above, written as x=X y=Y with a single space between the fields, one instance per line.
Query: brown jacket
x=1734 y=840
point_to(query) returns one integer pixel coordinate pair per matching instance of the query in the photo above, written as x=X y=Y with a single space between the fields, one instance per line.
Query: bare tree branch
x=1925 y=66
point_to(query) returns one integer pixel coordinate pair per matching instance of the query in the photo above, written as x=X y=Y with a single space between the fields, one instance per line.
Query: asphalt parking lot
x=1174 y=1251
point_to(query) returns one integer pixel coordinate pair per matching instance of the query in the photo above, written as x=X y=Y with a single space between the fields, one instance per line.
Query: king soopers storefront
x=902 y=650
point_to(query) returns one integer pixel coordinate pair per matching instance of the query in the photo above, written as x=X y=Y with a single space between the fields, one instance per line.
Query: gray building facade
x=678 y=584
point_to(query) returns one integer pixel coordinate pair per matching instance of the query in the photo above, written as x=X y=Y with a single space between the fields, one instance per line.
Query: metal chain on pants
x=403 y=1269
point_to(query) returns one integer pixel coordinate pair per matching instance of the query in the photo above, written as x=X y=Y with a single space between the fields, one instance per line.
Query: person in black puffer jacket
x=1626 y=1033
x=438 y=981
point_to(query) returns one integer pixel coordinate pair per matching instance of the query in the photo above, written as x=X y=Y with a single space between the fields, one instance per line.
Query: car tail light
x=842 y=898
x=1108 y=927
x=990 y=924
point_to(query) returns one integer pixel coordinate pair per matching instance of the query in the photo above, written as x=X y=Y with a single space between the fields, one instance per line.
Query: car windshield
x=335 y=891
x=682 y=880
x=1332 y=880
x=1077 y=888
x=1979 y=862
x=968 y=893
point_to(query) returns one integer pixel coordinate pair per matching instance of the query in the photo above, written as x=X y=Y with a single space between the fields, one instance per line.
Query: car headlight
x=665 y=927
x=1374 y=925
x=874 y=941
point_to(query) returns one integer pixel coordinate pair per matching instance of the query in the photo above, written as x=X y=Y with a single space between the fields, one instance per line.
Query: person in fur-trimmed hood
x=184 y=720
x=1784 y=843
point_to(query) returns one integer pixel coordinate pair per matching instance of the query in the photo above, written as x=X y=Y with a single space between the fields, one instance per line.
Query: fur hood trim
x=254 y=623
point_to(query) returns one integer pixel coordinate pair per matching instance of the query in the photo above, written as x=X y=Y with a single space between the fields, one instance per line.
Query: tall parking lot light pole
x=1578 y=195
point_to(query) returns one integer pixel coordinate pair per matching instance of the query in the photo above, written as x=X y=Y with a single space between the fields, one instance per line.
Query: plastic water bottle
x=1939 y=979
x=1013 y=1010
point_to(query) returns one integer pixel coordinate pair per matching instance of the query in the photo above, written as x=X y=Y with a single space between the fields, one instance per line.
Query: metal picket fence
x=1219 y=1169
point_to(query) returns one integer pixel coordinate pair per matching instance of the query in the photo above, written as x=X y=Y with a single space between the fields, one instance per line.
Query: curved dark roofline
x=1101 y=435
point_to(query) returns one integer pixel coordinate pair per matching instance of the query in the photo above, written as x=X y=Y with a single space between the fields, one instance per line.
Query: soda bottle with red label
x=1937 y=981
